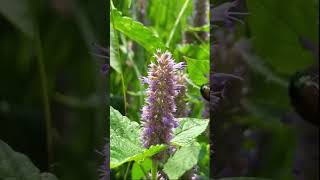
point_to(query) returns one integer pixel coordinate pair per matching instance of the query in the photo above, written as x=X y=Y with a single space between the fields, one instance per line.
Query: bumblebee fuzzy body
x=205 y=91
x=304 y=94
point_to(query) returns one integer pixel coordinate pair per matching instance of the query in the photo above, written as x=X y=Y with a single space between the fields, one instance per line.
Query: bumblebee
x=304 y=94
x=205 y=91
x=219 y=79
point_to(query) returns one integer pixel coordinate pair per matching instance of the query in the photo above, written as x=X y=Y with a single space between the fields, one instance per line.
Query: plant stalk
x=173 y=30
x=45 y=99
x=154 y=169
x=127 y=170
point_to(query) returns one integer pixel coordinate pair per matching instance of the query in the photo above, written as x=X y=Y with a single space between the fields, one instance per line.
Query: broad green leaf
x=188 y=130
x=276 y=27
x=182 y=160
x=137 y=172
x=198 y=70
x=195 y=51
x=125 y=142
x=14 y=165
x=136 y=31
x=18 y=13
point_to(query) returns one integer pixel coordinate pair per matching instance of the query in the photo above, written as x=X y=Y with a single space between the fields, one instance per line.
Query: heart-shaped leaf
x=125 y=142
x=182 y=160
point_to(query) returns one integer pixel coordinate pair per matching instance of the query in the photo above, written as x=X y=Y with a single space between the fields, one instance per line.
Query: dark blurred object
x=205 y=91
x=62 y=7
x=311 y=46
x=102 y=53
x=306 y=154
x=304 y=94
x=223 y=89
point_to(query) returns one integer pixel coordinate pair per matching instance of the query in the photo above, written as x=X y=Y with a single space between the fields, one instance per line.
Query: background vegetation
x=258 y=133
x=140 y=27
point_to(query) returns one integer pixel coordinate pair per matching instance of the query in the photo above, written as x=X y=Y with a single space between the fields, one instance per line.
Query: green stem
x=173 y=30
x=154 y=169
x=45 y=98
x=127 y=171
x=118 y=54
x=124 y=94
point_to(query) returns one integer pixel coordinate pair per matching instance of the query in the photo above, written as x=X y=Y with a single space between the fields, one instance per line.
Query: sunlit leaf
x=182 y=160
x=195 y=51
x=139 y=168
x=198 y=70
x=125 y=142
x=136 y=31
x=188 y=130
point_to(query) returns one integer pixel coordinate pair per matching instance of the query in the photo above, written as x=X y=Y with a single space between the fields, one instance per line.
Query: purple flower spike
x=157 y=115
x=105 y=168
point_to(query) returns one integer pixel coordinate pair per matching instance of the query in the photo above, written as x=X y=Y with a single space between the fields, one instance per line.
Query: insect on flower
x=219 y=84
x=205 y=91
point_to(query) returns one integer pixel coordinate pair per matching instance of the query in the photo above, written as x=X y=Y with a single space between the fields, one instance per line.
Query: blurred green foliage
x=46 y=64
x=269 y=49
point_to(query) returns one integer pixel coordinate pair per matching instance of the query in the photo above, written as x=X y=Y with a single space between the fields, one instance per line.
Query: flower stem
x=154 y=169
x=45 y=99
x=173 y=30
x=127 y=170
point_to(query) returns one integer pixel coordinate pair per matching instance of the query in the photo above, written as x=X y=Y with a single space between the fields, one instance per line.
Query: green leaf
x=182 y=160
x=205 y=28
x=276 y=27
x=188 y=130
x=195 y=51
x=125 y=142
x=198 y=70
x=18 y=13
x=163 y=15
x=137 y=172
x=136 y=31
x=14 y=165
x=128 y=2
x=114 y=50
